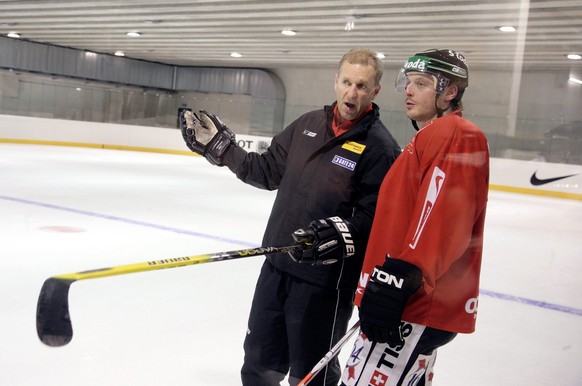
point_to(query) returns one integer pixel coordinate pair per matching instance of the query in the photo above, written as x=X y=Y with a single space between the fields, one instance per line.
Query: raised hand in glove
x=324 y=241
x=384 y=300
x=206 y=135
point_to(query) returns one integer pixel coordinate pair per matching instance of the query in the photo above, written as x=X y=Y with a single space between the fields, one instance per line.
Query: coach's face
x=355 y=88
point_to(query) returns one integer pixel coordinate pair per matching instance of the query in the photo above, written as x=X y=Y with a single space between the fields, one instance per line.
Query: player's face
x=355 y=88
x=420 y=97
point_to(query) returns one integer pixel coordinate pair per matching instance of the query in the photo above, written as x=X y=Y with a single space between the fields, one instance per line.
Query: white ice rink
x=65 y=210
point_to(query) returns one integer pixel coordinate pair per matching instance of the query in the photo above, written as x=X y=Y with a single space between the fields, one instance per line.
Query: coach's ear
x=376 y=91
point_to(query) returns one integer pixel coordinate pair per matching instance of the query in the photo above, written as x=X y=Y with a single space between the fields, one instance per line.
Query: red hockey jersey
x=431 y=213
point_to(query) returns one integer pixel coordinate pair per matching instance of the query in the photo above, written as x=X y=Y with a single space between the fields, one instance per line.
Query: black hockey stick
x=53 y=322
x=330 y=355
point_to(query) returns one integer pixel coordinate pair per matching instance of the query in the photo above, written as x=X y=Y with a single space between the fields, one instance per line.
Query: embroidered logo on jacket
x=355 y=147
x=344 y=162
x=309 y=133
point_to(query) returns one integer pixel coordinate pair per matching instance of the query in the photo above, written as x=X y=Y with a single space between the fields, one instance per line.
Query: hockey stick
x=330 y=355
x=53 y=322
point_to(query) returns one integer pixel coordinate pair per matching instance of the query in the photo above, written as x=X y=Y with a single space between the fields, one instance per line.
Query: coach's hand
x=206 y=135
x=325 y=241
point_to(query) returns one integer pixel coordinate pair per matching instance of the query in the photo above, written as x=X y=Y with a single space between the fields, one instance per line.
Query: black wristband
x=218 y=146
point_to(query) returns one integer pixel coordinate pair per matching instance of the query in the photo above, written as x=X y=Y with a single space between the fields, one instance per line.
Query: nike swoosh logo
x=535 y=181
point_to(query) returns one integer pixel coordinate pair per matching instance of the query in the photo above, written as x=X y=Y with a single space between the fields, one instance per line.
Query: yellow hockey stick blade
x=53 y=321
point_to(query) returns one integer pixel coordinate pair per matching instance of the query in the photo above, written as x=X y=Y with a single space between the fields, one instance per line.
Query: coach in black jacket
x=327 y=167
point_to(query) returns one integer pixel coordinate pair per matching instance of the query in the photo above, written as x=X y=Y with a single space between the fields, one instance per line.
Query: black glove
x=206 y=135
x=386 y=295
x=324 y=241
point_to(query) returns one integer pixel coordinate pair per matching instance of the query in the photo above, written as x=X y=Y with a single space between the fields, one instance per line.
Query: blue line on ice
x=498 y=295
x=128 y=221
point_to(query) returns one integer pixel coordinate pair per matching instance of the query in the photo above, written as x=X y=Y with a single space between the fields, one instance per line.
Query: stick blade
x=53 y=322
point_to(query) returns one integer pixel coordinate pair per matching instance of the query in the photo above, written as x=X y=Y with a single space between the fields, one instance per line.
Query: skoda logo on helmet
x=418 y=64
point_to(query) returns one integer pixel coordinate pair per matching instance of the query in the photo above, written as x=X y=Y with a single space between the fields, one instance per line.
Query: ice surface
x=65 y=210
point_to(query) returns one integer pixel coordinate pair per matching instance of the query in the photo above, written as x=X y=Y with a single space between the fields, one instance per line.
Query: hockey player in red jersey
x=419 y=284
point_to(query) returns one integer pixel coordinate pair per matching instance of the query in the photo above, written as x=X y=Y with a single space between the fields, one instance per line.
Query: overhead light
x=133 y=34
x=574 y=56
x=235 y=55
x=507 y=28
x=119 y=53
x=288 y=32
x=380 y=55
x=350 y=23
x=15 y=35
x=575 y=80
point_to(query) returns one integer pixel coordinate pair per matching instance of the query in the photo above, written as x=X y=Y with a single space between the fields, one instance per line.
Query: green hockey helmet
x=444 y=65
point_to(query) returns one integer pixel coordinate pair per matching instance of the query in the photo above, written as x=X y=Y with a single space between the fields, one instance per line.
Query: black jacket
x=317 y=176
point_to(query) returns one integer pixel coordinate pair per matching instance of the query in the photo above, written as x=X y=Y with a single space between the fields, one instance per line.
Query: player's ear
x=451 y=92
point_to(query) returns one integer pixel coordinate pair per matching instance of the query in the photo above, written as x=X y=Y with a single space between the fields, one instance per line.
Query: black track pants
x=292 y=325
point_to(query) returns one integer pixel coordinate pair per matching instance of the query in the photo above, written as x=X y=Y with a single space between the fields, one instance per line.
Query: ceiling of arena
x=206 y=32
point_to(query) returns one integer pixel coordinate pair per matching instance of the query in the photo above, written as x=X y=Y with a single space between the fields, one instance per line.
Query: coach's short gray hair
x=366 y=57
